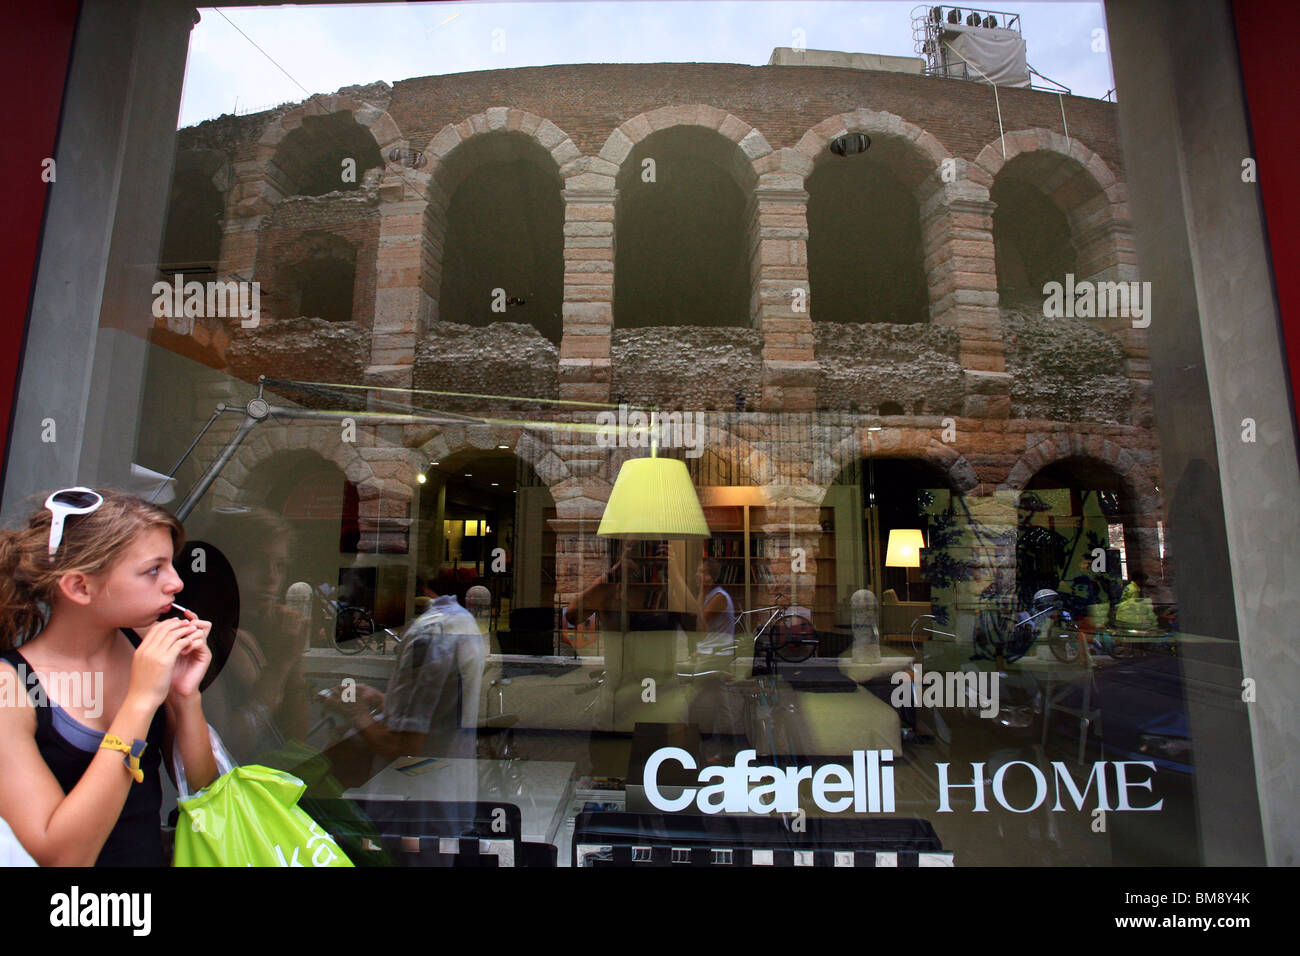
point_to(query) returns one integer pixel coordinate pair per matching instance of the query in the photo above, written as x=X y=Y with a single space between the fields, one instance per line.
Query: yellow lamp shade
x=653 y=498
x=904 y=549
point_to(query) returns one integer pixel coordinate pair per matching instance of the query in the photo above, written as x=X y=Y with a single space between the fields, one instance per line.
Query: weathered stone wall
x=865 y=365
x=1063 y=384
x=237 y=136
x=687 y=367
x=302 y=349
x=1065 y=369
x=589 y=101
x=350 y=216
x=509 y=358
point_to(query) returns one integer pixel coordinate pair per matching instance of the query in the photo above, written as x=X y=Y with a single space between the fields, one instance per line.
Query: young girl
x=79 y=780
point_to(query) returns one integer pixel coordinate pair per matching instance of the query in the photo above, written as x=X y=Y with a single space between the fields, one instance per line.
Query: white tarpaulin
x=998 y=54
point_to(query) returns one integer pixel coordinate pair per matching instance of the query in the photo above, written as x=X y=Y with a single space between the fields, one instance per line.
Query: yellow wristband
x=132 y=750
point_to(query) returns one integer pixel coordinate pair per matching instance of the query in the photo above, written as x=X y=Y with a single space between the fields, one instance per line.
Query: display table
x=541 y=789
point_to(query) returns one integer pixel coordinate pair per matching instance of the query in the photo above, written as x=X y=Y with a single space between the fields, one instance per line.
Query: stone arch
x=382 y=474
x=460 y=155
x=752 y=144
x=1059 y=447
x=528 y=445
x=876 y=198
x=266 y=443
x=500 y=119
x=375 y=121
x=681 y=238
x=1139 y=494
x=915 y=153
x=1081 y=185
x=382 y=479
x=897 y=443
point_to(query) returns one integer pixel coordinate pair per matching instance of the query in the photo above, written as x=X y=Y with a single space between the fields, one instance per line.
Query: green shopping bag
x=249 y=816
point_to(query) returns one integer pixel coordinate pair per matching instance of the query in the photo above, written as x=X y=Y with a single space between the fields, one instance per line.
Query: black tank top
x=136 y=840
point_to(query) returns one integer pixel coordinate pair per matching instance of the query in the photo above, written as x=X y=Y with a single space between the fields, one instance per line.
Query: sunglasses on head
x=69 y=501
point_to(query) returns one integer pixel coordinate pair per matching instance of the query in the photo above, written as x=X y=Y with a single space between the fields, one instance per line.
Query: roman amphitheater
x=458 y=273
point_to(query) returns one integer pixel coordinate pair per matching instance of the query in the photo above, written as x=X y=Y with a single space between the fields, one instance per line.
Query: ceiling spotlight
x=850 y=144
x=420 y=478
x=504 y=447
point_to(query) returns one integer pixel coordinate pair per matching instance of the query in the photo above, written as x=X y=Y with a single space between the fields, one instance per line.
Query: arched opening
x=1031 y=236
x=871 y=517
x=865 y=258
x=485 y=522
x=502 y=257
x=1073 y=535
x=325 y=154
x=296 y=520
x=320 y=279
x=681 y=249
x=319 y=498
x=192 y=237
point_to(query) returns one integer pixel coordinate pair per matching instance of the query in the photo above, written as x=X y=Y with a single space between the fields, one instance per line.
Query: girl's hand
x=154 y=661
x=194 y=658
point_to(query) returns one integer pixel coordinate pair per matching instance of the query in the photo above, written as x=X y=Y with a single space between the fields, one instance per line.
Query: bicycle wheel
x=352 y=630
x=793 y=639
x=1064 y=645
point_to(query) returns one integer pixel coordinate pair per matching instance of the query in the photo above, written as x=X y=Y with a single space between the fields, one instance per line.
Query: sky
x=318 y=49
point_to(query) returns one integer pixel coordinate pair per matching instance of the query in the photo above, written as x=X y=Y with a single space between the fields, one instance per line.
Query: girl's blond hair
x=29 y=577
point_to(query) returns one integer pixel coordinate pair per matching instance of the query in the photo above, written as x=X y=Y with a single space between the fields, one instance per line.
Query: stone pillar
x=961 y=271
x=384 y=513
x=588 y=310
x=792 y=534
x=780 y=301
x=985 y=541
x=402 y=306
x=580 y=556
x=1106 y=247
x=1137 y=366
x=248 y=203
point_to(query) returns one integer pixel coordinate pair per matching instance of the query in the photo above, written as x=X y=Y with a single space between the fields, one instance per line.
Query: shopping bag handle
x=224 y=763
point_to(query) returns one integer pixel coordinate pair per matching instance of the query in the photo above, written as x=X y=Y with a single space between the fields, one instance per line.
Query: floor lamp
x=904 y=551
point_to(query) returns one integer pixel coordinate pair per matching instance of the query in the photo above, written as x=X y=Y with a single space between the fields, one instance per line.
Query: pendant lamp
x=653 y=499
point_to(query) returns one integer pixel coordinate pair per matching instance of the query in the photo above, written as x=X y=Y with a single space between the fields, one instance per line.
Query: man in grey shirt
x=431 y=706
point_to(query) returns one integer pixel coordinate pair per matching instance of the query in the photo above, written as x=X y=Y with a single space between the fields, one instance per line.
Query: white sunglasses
x=69 y=501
